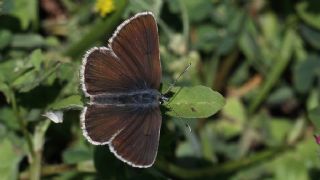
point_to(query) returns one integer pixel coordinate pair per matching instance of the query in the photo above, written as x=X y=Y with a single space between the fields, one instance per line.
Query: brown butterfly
x=122 y=82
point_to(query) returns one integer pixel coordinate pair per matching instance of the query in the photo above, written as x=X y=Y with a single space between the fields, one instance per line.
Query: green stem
x=103 y=27
x=277 y=69
x=224 y=70
x=48 y=170
x=215 y=171
x=23 y=126
x=185 y=21
x=38 y=140
x=171 y=169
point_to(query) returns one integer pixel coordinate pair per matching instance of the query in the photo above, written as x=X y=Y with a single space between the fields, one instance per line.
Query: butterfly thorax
x=139 y=98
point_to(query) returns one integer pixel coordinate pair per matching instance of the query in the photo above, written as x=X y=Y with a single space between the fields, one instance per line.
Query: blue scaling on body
x=142 y=98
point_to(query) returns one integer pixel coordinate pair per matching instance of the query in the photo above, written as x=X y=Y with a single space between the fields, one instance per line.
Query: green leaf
x=281 y=62
x=206 y=7
x=314 y=116
x=281 y=95
x=185 y=149
x=5 y=38
x=278 y=131
x=28 y=41
x=194 y=102
x=26 y=11
x=304 y=73
x=311 y=35
x=235 y=117
x=9 y=119
x=27 y=81
x=10 y=157
x=71 y=102
x=195 y=6
x=76 y=155
x=36 y=59
x=207 y=35
x=308 y=11
x=5 y=89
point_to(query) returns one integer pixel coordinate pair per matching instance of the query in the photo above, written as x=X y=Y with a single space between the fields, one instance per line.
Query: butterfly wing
x=131 y=132
x=137 y=144
x=136 y=43
x=101 y=122
x=103 y=73
x=131 y=62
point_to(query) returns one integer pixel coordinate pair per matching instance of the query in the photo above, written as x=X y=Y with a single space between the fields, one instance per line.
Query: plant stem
x=103 y=27
x=185 y=21
x=86 y=166
x=38 y=140
x=277 y=69
x=215 y=171
x=23 y=126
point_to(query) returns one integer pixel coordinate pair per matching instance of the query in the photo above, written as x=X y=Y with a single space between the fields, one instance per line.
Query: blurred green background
x=263 y=56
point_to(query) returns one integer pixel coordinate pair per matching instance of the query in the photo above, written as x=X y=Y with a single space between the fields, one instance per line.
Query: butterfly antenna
x=176 y=80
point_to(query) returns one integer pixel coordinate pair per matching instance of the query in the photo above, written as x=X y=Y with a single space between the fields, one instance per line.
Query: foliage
x=263 y=56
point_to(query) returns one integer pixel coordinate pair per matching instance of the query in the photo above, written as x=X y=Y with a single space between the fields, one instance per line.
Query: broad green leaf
x=10 y=156
x=194 y=102
x=71 y=102
x=314 y=116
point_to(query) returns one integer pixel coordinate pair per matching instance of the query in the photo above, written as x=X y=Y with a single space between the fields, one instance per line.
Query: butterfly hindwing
x=137 y=144
x=101 y=122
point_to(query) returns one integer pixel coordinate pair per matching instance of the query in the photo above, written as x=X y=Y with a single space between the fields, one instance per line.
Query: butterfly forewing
x=103 y=73
x=122 y=82
x=136 y=43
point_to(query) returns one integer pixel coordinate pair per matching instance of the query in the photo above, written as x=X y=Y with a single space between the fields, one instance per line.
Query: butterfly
x=122 y=82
